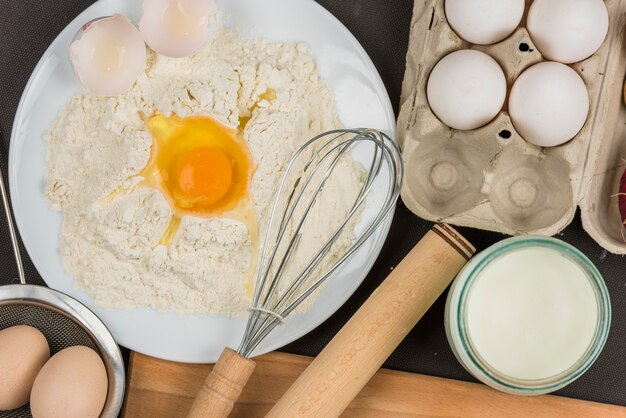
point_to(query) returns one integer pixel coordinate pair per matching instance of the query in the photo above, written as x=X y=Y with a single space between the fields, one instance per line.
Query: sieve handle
x=12 y=233
x=352 y=357
x=223 y=386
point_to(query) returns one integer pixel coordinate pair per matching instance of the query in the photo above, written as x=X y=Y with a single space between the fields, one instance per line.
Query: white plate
x=361 y=100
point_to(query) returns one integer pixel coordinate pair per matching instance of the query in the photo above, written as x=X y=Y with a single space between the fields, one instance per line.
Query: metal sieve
x=64 y=321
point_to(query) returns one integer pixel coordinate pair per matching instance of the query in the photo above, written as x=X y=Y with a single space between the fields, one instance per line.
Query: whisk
x=279 y=290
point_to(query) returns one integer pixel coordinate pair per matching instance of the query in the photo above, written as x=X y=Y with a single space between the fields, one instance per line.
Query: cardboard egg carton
x=491 y=178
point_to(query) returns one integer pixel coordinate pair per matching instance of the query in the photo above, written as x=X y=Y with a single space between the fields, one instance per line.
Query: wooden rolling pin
x=163 y=389
x=349 y=361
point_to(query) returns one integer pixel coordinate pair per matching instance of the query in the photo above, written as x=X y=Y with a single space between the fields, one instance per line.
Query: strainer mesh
x=60 y=331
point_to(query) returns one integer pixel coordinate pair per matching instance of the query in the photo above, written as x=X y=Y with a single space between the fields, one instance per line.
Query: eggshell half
x=109 y=56
x=178 y=28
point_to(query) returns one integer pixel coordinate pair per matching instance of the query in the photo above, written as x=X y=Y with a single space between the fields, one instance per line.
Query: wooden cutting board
x=163 y=389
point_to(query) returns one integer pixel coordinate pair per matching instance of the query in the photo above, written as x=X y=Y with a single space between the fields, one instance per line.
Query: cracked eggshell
x=178 y=28
x=109 y=56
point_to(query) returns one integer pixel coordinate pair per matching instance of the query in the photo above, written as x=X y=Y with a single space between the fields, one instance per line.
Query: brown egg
x=23 y=352
x=72 y=384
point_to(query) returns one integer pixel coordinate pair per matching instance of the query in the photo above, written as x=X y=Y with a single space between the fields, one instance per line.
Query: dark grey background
x=27 y=27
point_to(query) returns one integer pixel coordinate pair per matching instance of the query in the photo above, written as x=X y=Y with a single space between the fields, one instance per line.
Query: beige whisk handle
x=223 y=386
x=348 y=362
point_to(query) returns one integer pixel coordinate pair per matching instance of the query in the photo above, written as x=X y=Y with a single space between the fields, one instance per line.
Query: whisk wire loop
x=274 y=300
x=292 y=205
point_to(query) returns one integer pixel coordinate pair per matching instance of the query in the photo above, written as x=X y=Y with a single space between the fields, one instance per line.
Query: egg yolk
x=201 y=166
x=204 y=175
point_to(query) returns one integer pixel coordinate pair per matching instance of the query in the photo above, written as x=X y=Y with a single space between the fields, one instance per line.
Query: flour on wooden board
x=97 y=145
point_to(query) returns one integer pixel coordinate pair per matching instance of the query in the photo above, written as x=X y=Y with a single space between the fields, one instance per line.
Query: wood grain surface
x=163 y=389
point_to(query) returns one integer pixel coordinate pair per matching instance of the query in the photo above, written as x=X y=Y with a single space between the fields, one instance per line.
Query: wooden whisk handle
x=223 y=386
x=348 y=362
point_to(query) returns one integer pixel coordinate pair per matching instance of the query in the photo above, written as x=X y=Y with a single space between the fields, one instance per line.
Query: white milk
x=532 y=313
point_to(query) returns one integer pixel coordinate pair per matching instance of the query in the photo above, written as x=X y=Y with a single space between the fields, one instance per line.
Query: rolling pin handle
x=223 y=386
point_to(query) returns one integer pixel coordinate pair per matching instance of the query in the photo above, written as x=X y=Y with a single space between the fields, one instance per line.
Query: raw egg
x=484 y=22
x=23 y=352
x=466 y=89
x=568 y=30
x=549 y=104
x=177 y=28
x=204 y=169
x=109 y=56
x=201 y=166
x=72 y=384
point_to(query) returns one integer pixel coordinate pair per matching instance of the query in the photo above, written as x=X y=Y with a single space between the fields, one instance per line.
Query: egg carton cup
x=491 y=178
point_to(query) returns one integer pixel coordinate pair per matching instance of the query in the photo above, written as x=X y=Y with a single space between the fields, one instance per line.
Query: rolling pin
x=360 y=348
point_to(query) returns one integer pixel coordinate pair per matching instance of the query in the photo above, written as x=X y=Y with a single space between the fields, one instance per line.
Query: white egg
x=466 y=89
x=177 y=28
x=549 y=104
x=109 y=56
x=568 y=30
x=484 y=22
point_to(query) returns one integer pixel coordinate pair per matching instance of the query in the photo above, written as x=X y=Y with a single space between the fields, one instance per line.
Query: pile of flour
x=96 y=146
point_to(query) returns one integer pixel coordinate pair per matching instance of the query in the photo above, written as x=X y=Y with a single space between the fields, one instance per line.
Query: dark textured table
x=382 y=27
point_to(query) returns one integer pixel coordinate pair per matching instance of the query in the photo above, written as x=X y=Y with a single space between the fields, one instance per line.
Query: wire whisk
x=269 y=307
x=279 y=289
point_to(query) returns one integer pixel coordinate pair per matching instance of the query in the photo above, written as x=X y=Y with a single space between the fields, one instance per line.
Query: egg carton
x=491 y=178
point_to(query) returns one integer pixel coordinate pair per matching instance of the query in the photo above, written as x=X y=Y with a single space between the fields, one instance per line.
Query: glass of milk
x=528 y=315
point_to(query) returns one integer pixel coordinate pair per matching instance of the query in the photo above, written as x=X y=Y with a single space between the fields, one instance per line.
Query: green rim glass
x=489 y=375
